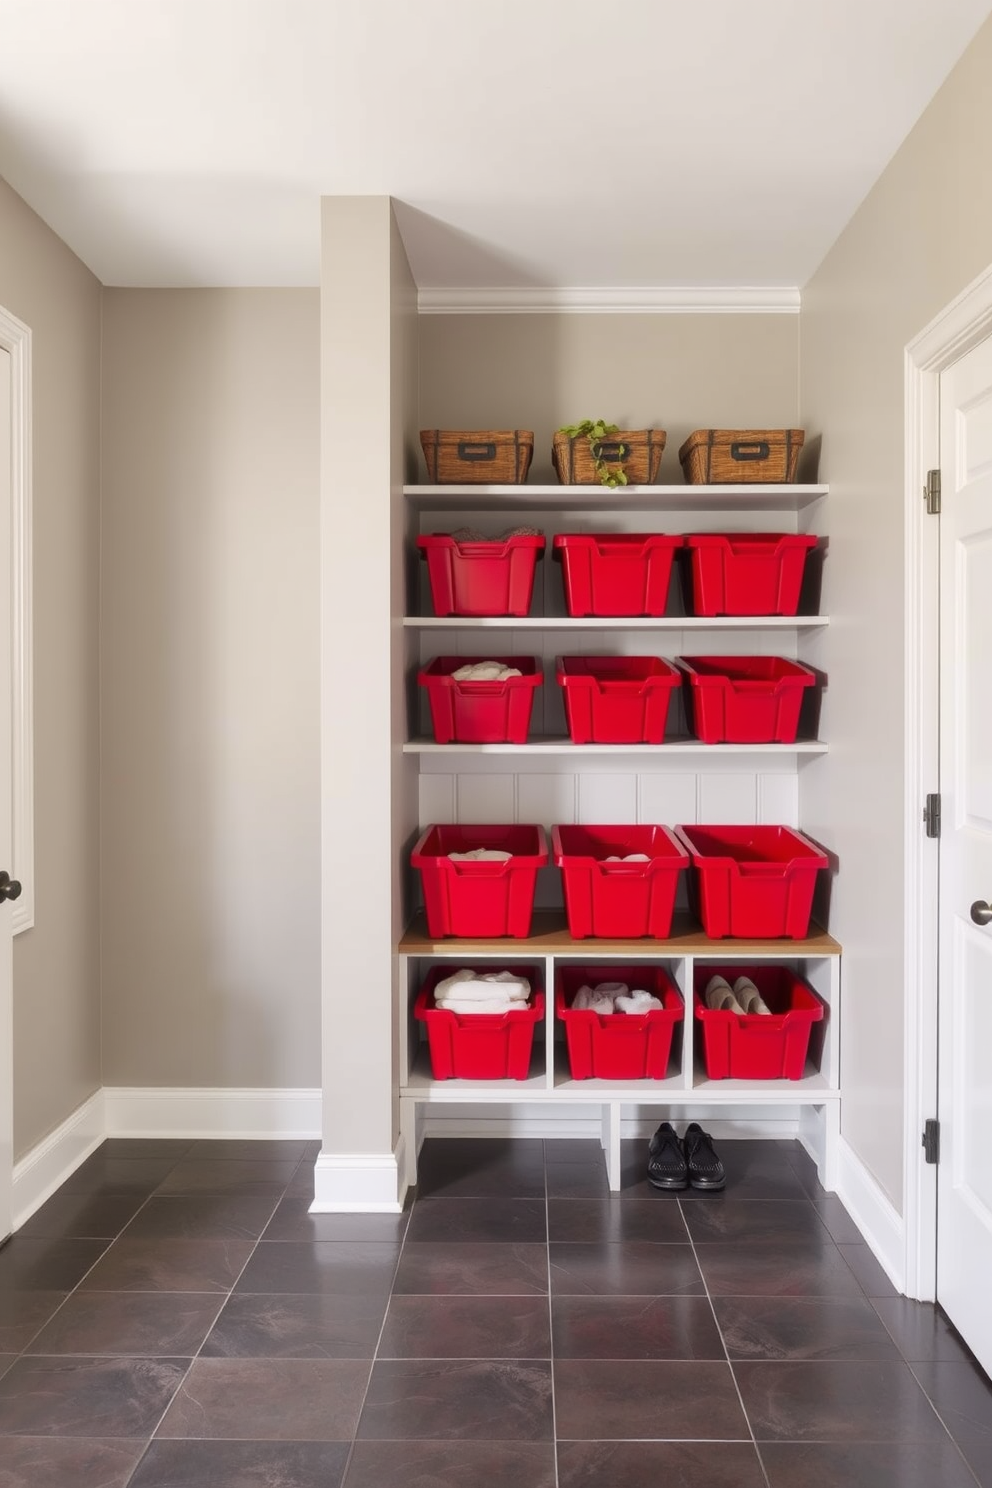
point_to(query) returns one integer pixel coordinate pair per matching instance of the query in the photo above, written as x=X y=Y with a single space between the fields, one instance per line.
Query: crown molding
x=736 y=300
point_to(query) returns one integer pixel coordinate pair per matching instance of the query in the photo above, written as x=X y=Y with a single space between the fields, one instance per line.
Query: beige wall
x=209 y=691
x=56 y=964
x=923 y=233
x=675 y=372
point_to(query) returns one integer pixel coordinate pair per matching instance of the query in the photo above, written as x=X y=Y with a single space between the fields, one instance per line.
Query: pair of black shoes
x=691 y=1162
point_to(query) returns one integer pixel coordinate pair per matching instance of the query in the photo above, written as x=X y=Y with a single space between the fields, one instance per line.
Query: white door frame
x=948 y=337
x=15 y=337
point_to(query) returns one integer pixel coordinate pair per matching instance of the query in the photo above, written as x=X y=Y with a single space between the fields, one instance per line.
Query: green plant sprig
x=596 y=431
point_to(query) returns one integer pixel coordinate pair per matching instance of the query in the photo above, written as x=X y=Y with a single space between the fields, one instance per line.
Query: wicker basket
x=714 y=457
x=477 y=456
x=637 y=452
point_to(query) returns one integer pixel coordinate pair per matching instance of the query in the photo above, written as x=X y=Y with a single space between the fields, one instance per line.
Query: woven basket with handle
x=714 y=457
x=477 y=456
x=637 y=452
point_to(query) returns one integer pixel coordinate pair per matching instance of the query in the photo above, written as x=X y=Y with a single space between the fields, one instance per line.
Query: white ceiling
x=623 y=143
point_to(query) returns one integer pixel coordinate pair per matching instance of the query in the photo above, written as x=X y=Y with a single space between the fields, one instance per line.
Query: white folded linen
x=485 y=671
x=482 y=855
x=466 y=1005
x=637 y=1003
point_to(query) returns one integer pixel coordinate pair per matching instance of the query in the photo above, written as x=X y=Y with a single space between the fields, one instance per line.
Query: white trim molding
x=15 y=338
x=873 y=1213
x=360 y=1182
x=46 y=1167
x=546 y=300
x=965 y=322
x=150 y=1111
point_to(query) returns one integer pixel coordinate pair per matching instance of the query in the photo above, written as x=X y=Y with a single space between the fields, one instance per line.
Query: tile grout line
x=551 y=1328
x=726 y=1351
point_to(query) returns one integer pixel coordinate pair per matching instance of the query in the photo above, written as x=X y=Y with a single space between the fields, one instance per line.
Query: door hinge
x=931 y=1141
x=931 y=814
x=931 y=492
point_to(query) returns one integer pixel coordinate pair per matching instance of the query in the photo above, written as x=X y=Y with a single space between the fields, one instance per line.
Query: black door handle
x=9 y=887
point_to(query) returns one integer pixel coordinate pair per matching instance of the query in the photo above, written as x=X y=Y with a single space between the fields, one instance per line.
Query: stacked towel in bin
x=468 y=991
x=613 y=997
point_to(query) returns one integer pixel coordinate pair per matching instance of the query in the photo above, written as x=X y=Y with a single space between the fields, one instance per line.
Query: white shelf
x=749 y=498
x=604 y=622
x=812 y=1089
x=564 y=746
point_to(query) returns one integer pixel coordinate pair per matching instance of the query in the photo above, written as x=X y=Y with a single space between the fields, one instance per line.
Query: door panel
x=964 y=1176
x=6 y=834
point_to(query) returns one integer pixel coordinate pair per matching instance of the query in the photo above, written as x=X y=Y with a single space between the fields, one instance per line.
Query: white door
x=6 y=913
x=964 y=1173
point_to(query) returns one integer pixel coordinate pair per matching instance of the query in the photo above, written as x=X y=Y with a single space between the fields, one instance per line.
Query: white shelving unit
x=816 y=1095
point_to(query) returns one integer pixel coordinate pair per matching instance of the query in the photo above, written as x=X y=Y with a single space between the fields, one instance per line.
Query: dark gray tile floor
x=174 y=1317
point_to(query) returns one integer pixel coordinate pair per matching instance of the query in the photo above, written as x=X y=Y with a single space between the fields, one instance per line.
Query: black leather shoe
x=666 y=1160
x=704 y=1167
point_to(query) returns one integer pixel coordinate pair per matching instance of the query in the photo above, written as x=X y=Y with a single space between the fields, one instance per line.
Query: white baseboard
x=874 y=1214
x=42 y=1170
x=360 y=1183
x=262 y=1114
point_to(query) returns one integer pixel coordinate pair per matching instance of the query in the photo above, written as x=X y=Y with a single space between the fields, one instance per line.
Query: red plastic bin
x=616 y=699
x=479 y=898
x=745 y=573
x=480 y=712
x=616 y=573
x=744 y=699
x=618 y=900
x=618 y=1046
x=754 y=882
x=758 y=1046
x=481 y=578
x=479 y=1046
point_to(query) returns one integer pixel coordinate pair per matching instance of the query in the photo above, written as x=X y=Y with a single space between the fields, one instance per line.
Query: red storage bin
x=616 y=699
x=618 y=1046
x=481 y=578
x=480 y=712
x=478 y=898
x=743 y=699
x=479 y=1046
x=753 y=882
x=618 y=900
x=745 y=573
x=758 y=1046
x=616 y=573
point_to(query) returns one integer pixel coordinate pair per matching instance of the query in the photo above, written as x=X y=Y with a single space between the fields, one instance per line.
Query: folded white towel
x=485 y=671
x=638 y=1002
x=582 y=999
x=514 y=986
x=481 y=855
x=455 y=1004
x=611 y=989
x=481 y=990
x=449 y=983
x=628 y=858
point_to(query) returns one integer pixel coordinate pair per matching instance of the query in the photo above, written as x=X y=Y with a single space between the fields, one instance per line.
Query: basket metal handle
x=757 y=451
x=482 y=451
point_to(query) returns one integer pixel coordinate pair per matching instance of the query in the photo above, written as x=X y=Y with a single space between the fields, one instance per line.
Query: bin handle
x=755 y=451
